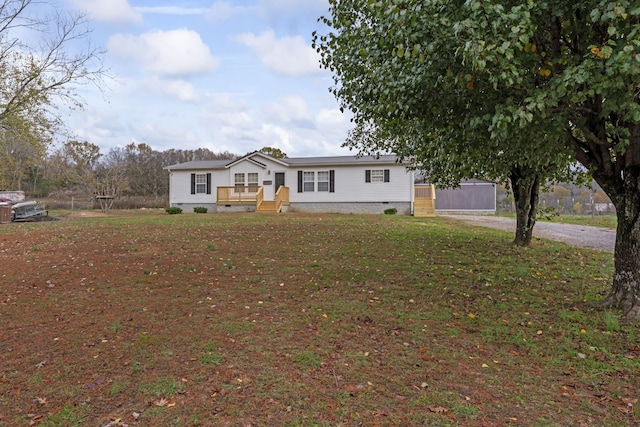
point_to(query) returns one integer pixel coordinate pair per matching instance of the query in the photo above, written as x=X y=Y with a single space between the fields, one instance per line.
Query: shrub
x=391 y=211
x=173 y=210
x=200 y=209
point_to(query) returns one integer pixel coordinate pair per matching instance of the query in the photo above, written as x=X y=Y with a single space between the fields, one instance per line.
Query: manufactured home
x=258 y=182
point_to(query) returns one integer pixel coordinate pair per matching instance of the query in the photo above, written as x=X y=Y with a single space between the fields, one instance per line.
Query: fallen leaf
x=439 y=410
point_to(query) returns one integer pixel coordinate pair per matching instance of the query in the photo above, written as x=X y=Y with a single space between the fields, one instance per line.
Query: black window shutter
x=193 y=183
x=299 y=181
x=367 y=175
x=386 y=175
x=332 y=181
x=208 y=183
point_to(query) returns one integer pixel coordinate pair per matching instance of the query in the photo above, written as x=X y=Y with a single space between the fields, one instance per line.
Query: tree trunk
x=525 y=185
x=625 y=291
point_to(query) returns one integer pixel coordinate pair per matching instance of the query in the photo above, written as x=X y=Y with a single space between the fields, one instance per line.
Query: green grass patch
x=309 y=320
x=161 y=387
x=67 y=416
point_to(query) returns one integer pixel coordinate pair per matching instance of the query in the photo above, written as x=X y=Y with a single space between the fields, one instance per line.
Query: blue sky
x=232 y=75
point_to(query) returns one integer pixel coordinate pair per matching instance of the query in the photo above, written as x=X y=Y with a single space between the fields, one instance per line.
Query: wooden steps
x=424 y=207
x=267 y=206
x=424 y=203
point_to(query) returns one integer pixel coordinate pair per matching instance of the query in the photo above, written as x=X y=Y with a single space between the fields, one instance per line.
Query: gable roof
x=252 y=157
x=386 y=159
x=198 y=164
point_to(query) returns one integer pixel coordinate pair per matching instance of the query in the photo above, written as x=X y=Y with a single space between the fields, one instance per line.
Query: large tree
x=392 y=90
x=45 y=54
x=569 y=69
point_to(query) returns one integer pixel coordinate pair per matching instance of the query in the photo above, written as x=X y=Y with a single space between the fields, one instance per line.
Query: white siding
x=180 y=187
x=350 y=185
x=266 y=173
x=351 y=192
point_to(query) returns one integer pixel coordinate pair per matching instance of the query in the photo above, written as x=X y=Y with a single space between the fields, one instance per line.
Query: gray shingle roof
x=294 y=161
x=199 y=164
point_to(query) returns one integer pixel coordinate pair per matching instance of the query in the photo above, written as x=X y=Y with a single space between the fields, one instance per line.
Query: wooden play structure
x=105 y=195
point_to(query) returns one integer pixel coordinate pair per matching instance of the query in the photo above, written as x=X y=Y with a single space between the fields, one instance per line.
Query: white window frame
x=323 y=181
x=238 y=182
x=201 y=183
x=253 y=179
x=308 y=181
x=377 y=175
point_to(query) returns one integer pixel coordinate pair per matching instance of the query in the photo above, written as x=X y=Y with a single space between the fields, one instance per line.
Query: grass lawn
x=605 y=221
x=150 y=319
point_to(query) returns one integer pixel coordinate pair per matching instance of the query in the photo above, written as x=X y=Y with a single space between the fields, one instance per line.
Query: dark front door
x=279 y=180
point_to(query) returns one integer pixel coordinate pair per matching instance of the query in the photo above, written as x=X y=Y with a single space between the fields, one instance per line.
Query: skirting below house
x=188 y=207
x=404 y=208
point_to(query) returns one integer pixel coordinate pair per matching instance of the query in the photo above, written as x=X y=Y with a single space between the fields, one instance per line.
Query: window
x=239 y=180
x=376 y=175
x=252 y=179
x=326 y=181
x=308 y=179
x=323 y=181
x=201 y=183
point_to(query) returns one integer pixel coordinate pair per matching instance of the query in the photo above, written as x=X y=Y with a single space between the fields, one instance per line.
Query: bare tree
x=40 y=64
x=45 y=54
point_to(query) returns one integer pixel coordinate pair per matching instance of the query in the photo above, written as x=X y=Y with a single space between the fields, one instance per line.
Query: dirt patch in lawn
x=86 y=214
x=303 y=320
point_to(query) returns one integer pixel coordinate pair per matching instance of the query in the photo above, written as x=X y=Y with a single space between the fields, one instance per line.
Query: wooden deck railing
x=248 y=195
x=282 y=197
x=259 y=198
x=237 y=195
x=425 y=192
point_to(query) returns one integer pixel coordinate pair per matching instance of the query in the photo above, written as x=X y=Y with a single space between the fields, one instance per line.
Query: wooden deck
x=252 y=195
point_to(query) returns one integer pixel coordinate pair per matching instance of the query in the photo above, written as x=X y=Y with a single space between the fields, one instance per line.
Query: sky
x=233 y=75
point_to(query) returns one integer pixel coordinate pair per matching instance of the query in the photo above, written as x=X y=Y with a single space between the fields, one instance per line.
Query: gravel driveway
x=601 y=239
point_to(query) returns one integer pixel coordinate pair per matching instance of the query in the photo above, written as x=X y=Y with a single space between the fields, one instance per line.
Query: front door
x=279 y=178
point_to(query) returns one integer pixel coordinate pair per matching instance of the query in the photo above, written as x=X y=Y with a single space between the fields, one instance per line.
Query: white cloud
x=289 y=56
x=118 y=12
x=293 y=13
x=289 y=109
x=333 y=119
x=167 y=53
x=171 y=10
x=222 y=10
x=175 y=88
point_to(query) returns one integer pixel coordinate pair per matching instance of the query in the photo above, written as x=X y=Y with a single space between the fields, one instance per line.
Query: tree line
x=78 y=168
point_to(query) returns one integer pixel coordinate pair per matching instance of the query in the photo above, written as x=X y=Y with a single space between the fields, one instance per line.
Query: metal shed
x=472 y=196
